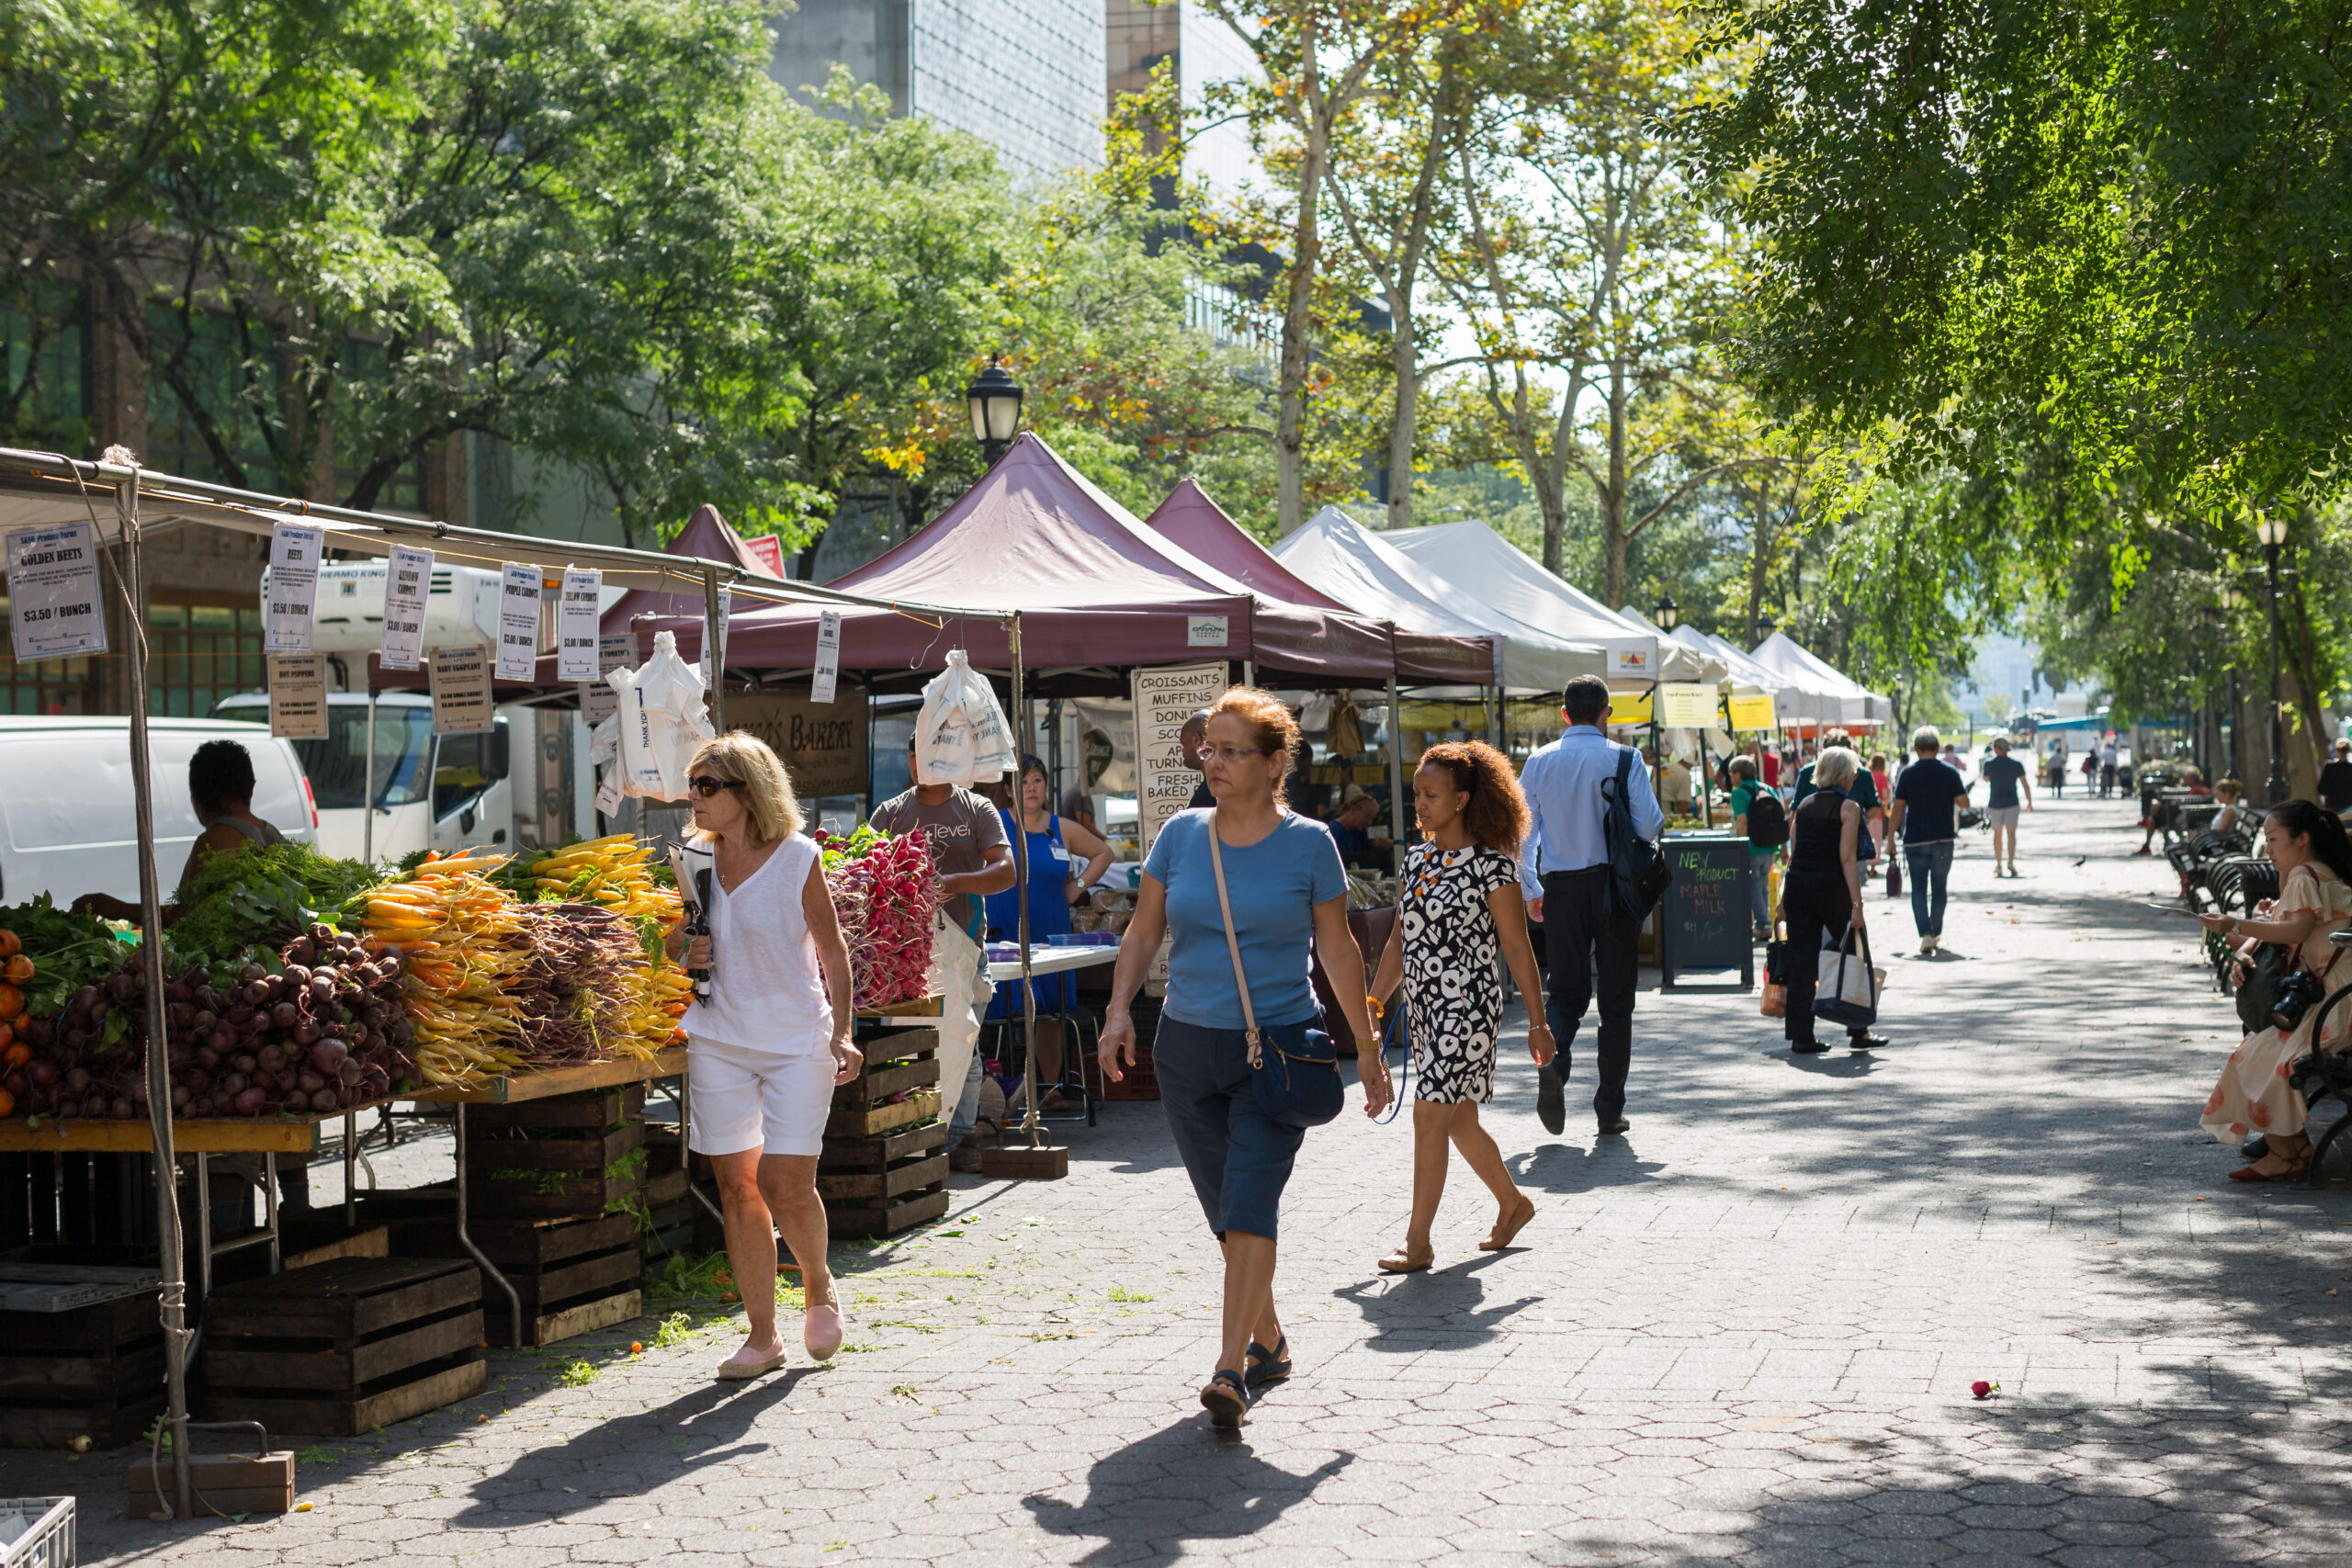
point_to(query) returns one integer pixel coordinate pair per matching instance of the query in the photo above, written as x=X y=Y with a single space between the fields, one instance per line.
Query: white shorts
x=2001 y=815
x=738 y=1098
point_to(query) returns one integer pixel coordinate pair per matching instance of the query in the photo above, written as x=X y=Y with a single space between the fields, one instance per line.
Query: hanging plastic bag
x=961 y=736
x=661 y=724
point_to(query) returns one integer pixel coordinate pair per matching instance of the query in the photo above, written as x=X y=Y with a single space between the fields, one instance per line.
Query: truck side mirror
x=495 y=758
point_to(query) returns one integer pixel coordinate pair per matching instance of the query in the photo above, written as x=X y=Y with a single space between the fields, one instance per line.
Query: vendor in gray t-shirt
x=967 y=843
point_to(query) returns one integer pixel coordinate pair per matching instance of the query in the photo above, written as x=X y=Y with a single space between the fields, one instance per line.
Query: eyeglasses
x=1230 y=755
x=707 y=786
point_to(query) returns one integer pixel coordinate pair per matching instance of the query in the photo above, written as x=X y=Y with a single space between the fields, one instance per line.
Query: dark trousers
x=1815 y=908
x=1588 y=946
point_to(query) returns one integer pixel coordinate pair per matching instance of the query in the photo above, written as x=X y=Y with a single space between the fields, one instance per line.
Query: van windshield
x=336 y=765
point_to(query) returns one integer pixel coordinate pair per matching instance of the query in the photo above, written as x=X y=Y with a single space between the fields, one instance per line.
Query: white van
x=445 y=792
x=65 y=801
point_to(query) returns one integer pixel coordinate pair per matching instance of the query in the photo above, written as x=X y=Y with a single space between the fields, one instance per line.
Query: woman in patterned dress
x=1458 y=906
x=2307 y=844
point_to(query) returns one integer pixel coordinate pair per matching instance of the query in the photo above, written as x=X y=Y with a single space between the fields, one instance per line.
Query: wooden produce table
x=201 y=1138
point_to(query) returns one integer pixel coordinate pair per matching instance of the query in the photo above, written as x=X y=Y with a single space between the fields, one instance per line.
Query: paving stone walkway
x=1742 y=1334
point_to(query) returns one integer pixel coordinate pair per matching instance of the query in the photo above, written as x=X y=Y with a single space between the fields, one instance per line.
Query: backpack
x=1768 y=820
x=1641 y=874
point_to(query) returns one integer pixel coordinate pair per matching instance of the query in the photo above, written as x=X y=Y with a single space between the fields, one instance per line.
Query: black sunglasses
x=707 y=786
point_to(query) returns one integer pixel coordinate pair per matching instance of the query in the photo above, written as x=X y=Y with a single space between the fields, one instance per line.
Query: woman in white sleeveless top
x=763 y=1054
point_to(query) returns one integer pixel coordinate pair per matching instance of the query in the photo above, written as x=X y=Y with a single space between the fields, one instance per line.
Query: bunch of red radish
x=885 y=895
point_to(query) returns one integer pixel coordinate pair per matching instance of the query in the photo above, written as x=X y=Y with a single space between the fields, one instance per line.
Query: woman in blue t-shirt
x=1289 y=898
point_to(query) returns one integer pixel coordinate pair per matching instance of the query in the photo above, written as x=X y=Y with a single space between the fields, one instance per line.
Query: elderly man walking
x=1589 y=945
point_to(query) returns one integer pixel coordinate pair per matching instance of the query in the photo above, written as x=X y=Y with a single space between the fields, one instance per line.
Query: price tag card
x=1686 y=704
x=298 y=695
x=598 y=700
x=576 y=624
x=518 y=623
x=408 y=581
x=1751 y=711
x=461 y=692
x=294 y=552
x=53 y=593
x=829 y=657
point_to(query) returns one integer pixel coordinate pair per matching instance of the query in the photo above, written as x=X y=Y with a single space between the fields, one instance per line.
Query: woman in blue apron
x=1054 y=879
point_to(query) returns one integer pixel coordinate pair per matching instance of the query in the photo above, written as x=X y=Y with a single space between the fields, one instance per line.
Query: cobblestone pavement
x=1744 y=1333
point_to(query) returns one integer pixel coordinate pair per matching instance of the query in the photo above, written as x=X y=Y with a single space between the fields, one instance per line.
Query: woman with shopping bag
x=1247 y=892
x=1821 y=901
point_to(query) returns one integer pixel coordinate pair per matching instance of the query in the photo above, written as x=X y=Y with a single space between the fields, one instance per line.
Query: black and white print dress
x=1454 y=999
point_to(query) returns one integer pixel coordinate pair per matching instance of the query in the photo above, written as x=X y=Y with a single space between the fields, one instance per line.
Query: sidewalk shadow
x=707 y=1426
x=1440 y=1309
x=1186 y=1482
x=1563 y=1170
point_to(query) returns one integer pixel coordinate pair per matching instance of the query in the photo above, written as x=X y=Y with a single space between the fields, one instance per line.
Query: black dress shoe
x=1551 y=1098
x=1616 y=1124
x=1806 y=1047
x=1867 y=1042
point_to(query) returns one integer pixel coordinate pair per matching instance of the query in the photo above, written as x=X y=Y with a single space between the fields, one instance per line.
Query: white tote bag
x=1848 y=989
x=661 y=723
x=961 y=735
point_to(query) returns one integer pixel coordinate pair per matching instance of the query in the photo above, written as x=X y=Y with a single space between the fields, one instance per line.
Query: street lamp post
x=1666 y=612
x=994 y=401
x=2273 y=534
x=2231 y=600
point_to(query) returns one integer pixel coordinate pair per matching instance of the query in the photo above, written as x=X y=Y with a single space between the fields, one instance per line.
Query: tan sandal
x=1405 y=1262
x=1500 y=1237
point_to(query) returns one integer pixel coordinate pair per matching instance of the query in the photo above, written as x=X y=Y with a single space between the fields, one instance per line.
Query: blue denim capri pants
x=1238 y=1159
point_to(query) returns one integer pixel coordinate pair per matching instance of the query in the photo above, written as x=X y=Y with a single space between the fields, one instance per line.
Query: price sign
x=598 y=700
x=408 y=580
x=298 y=695
x=294 y=552
x=518 y=623
x=575 y=656
x=53 y=593
x=1686 y=704
x=461 y=692
x=1164 y=699
x=829 y=657
x=1753 y=711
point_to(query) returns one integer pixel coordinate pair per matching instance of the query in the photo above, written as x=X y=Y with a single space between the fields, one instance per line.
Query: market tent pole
x=1395 y=779
x=368 y=787
x=130 y=573
x=714 y=643
x=1021 y=905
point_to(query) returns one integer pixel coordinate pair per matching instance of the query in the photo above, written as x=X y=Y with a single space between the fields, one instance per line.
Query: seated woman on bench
x=2314 y=862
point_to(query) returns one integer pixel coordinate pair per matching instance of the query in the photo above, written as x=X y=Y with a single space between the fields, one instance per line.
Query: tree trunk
x=1290 y=428
x=1760 y=562
x=1404 y=351
x=1612 y=503
x=2306 y=684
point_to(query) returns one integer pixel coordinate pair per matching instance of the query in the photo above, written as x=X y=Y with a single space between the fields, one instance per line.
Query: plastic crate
x=36 y=1532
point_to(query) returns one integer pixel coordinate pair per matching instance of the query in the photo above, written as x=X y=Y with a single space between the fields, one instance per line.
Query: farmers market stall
x=461 y=981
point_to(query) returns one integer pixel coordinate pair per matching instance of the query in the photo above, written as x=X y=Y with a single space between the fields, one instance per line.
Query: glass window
x=337 y=763
x=457 y=772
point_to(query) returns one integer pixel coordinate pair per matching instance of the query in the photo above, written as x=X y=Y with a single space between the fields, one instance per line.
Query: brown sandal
x=1405 y=1262
x=1505 y=1229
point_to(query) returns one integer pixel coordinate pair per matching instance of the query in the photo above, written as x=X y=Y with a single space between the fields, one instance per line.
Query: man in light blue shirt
x=1565 y=873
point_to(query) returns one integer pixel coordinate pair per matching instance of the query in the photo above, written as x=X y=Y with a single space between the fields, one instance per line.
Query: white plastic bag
x=661 y=724
x=961 y=735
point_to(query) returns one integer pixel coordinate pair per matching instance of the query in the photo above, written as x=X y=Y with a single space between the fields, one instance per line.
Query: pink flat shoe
x=745 y=1363
x=822 y=1332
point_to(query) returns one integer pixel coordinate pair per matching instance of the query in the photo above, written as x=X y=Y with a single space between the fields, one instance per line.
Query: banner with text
x=294 y=552
x=822 y=743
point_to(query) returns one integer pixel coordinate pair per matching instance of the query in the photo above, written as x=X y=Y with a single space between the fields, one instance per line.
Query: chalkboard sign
x=1705 y=923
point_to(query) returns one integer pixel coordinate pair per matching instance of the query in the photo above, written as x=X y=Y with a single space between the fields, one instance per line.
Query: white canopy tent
x=1742 y=674
x=1481 y=565
x=1840 y=700
x=1361 y=569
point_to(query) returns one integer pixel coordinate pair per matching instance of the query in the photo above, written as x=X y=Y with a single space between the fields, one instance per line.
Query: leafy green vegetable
x=68 y=951
x=261 y=895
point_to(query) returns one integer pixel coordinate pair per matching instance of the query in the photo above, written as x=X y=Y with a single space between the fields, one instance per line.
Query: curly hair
x=1267 y=716
x=1497 y=815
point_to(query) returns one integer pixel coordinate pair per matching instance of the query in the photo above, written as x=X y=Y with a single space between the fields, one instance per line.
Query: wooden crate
x=344 y=1346
x=854 y=1121
x=604 y=1109
x=672 y=1209
x=875 y=1087
x=571 y=1275
x=1141 y=1082
x=542 y=1172
x=884 y=1183
x=95 y=1369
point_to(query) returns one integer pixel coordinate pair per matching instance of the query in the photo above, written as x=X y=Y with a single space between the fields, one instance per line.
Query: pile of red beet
x=320 y=1032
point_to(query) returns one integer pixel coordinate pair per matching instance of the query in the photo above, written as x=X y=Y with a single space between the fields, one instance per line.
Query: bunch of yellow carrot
x=462 y=938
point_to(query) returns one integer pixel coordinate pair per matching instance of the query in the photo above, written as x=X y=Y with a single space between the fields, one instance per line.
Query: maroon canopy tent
x=1098 y=592
x=1203 y=529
